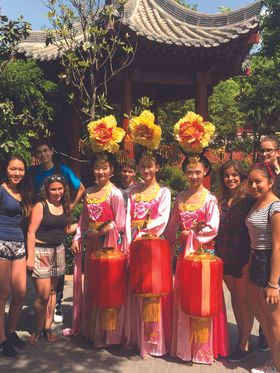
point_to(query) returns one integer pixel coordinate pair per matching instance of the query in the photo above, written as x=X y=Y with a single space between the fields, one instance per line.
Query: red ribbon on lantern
x=150 y=273
x=201 y=280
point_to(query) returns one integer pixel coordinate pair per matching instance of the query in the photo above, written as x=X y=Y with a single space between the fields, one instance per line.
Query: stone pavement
x=76 y=355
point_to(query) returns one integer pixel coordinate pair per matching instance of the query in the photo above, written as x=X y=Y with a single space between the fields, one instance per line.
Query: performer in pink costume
x=101 y=225
x=196 y=215
x=147 y=212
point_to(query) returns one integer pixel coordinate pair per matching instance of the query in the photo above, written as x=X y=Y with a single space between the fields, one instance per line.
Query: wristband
x=273 y=286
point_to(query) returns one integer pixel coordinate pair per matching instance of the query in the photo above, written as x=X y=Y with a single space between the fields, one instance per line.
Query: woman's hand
x=30 y=262
x=271 y=295
x=183 y=236
x=76 y=247
x=198 y=226
x=105 y=229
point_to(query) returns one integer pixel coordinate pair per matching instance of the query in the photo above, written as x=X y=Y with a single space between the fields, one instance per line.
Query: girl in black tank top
x=50 y=221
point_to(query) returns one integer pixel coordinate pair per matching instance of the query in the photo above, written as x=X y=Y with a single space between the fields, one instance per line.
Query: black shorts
x=234 y=270
x=260 y=267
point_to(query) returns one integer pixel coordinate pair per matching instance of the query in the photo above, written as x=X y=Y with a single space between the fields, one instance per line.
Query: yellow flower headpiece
x=192 y=133
x=143 y=130
x=104 y=135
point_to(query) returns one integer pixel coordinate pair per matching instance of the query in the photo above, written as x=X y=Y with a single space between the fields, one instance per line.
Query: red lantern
x=150 y=273
x=201 y=279
x=108 y=283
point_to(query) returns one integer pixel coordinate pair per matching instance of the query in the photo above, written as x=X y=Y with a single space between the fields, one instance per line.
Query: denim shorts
x=260 y=267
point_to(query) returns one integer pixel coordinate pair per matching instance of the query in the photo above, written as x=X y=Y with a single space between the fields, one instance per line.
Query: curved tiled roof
x=165 y=21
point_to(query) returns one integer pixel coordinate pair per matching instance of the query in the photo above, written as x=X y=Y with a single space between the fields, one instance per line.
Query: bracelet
x=273 y=286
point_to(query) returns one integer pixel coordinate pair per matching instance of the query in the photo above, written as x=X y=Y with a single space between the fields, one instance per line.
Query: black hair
x=267 y=170
x=39 y=142
x=141 y=152
x=128 y=163
x=199 y=158
x=103 y=157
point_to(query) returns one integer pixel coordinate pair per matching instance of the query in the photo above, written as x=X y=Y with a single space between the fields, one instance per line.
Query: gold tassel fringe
x=151 y=309
x=200 y=327
x=108 y=318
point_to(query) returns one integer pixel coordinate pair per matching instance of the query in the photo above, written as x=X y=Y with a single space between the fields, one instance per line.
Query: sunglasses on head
x=55 y=178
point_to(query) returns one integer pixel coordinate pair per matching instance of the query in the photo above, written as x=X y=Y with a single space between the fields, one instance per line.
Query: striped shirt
x=259 y=226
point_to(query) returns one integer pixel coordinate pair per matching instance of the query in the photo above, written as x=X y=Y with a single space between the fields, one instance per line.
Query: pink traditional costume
x=199 y=339
x=182 y=344
x=150 y=338
x=147 y=214
x=107 y=209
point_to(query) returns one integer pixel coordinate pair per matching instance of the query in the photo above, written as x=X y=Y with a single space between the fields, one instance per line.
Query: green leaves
x=88 y=36
x=26 y=108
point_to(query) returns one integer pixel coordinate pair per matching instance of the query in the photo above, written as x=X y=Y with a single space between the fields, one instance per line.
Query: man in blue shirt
x=43 y=151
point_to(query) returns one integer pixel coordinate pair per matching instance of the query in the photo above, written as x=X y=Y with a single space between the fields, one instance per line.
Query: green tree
x=225 y=113
x=270 y=28
x=26 y=105
x=11 y=33
x=260 y=97
x=93 y=48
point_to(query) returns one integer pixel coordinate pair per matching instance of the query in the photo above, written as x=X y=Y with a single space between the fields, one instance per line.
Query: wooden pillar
x=201 y=107
x=201 y=99
x=126 y=106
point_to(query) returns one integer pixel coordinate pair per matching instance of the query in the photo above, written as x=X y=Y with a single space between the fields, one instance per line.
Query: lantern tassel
x=200 y=327
x=151 y=309
x=108 y=318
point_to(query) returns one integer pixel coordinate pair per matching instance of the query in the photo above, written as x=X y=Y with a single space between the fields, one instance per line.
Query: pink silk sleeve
x=210 y=231
x=158 y=224
x=212 y=216
x=117 y=203
x=173 y=224
x=117 y=226
x=83 y=223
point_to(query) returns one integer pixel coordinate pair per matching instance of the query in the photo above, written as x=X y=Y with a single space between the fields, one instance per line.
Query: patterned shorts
x=12 y=250
x=49 y=262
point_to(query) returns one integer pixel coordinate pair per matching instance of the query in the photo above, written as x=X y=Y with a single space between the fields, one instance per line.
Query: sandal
x=49 y=335
x=34 y=338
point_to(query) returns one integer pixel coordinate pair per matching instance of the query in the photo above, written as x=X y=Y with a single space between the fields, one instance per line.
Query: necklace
x=92 y=199
x=148 y=195
x=185 y=206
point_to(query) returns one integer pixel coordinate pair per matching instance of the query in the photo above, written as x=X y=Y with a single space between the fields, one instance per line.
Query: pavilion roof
x=166 y=21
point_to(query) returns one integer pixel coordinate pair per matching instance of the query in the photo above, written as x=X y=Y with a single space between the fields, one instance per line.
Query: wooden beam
x=162 y=78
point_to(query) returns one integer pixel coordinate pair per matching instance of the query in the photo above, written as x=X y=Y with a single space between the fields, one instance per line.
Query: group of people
x=242 y=227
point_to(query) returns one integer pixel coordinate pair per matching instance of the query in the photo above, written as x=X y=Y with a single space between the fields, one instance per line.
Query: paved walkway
x=76 y=355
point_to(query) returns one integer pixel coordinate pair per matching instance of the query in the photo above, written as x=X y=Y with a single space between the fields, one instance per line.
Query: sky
x=35 y=11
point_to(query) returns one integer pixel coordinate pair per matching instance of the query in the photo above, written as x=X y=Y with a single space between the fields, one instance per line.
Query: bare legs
x=268 y=316
x=238 y=288
x=12 y=281
x=44 y=305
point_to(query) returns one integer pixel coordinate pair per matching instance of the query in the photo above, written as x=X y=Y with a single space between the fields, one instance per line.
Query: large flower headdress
x=192 y=134
x=144 y=131
x=104 y=135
